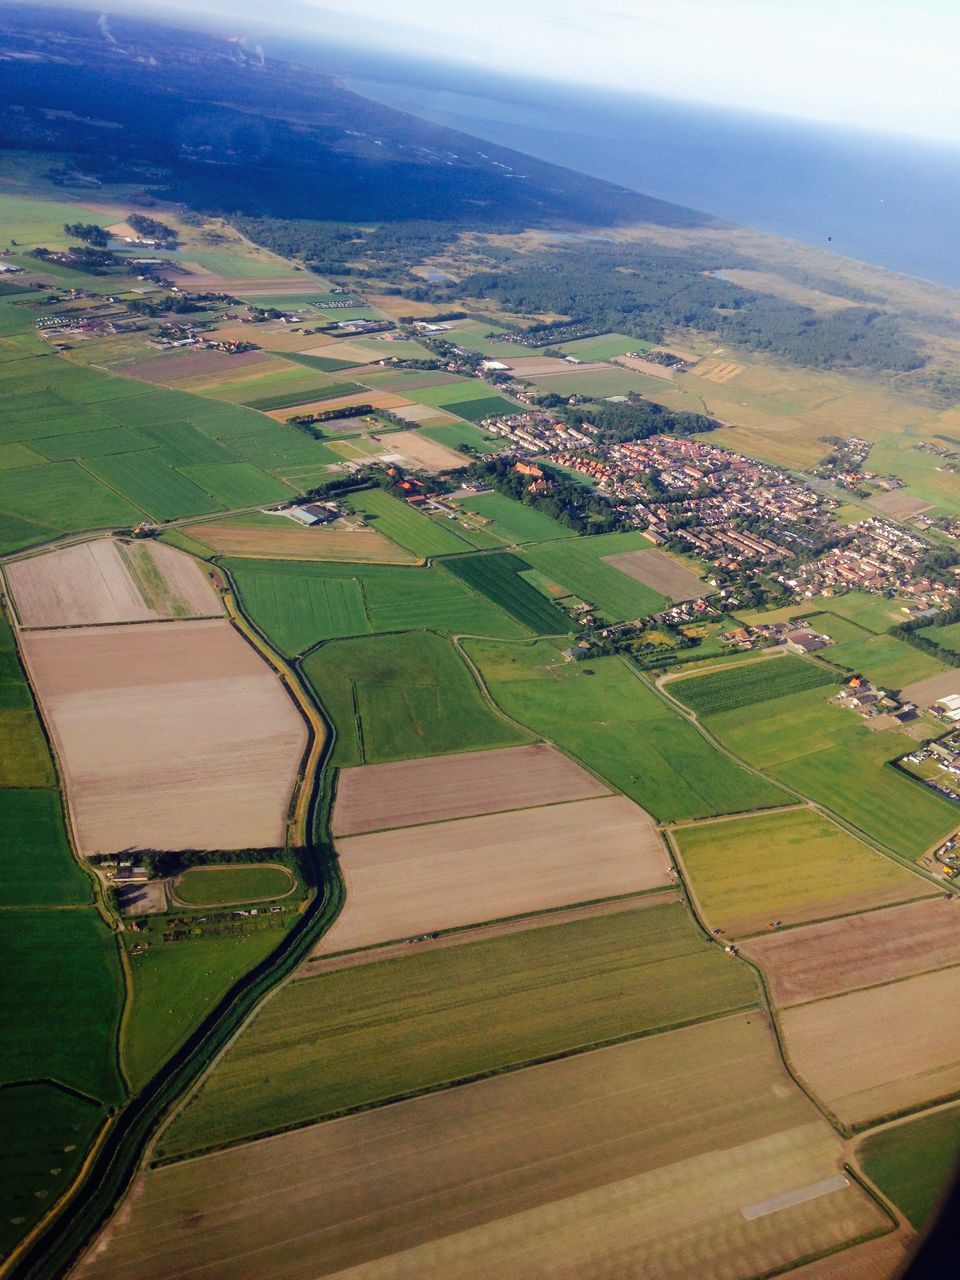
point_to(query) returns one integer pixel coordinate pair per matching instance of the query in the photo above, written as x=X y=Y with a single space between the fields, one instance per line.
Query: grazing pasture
x=275 y=538
x=461 y=435
x=24 y=756
x=447 y=874
x=858 y=951
x=604 y=347
x=298 y=605
x=40 y=503
x=829 y=754
x=750 y=683
x=793 y=866
x=582 y=566
x=886 y=661
x=37 y=868
x=170 y=736
x=106 y=581
x=359 y=1036
x=498 y=578
x=602 y=713
x=662 y=1142
x=410 y=792
x=912 y=1162
x=396 y=696
x=873 y=1053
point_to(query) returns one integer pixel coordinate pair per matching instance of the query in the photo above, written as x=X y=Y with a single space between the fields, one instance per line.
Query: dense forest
x=635 y=419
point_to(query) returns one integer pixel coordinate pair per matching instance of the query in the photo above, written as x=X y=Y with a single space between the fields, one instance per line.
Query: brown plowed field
x=288 y=541
x=635 y=1161
x=858 y=951
x=925 y=692
x=425 y=454
x=660 y=572
x=874 y=1260
x=375 y=797
x=872 y=1053
x=421 y=879
x=171 y=736
x=105 y=581
x=166 y=370
x=649 y=367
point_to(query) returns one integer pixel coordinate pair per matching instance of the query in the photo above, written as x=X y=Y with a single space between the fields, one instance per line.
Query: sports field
x=170 y=736
x=418 y=880
x=396 y=696
x=793 y=866
x=410 y=792
x=603 y=714
x=232 y=883
x=687 y=1150
x=343 y=1040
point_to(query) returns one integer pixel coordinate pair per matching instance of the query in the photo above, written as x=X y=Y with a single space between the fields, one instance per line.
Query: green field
x=751 y=683
x=40 y=222
x=514 y=522
x=601 y=712
x=24 y=757
x=828 y=754
x=459 y=434
x=579 y=566
x=238 y=484
x=592 y=384
x=298 y=604
x=346 y=1039
x=397 y=696
x=873 y=613
x=498 y=578
x=36 y=865
x=46 y=1133
x=472 y=334
x=230 y=884
x=304 y=395
x=604 y=347
x=946 y=637
x=176 y=984
x=793 y=866
x=912 y=1163
x=403 y=525
x=886 y=661
x=477 y=408
x=155 y=486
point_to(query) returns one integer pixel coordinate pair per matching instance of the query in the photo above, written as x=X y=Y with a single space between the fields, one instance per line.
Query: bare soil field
x=171 y=736
x=424 y=413
x=559 y=368
x=377 y=797
x=924 y=692
x=899 y=505
x=105 y=581
x=689 y=1153
x=481 y=932
x=290 y=541
x=869 y=1054
x=423 y=879
x=874 y=1260
x=537 y=366
x=167 y=370
x=826 y=959
x=660 y=572
x=423 y=453
x=336 y=349
x=638 y=365
x=376 y=400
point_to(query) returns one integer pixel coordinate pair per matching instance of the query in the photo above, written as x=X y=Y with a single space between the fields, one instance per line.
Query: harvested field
x=106 y=582
x=411 y=792
x=337 y=350
x=376 y=400
x=792 y=866
x=423 y=453
x=874 y=1260
x=170 y=737
x=531 y=366
x=858 y=951
x=870 y=1054
x=899 y=505
x=660 y=572
x=169 y=370
x=285 y=540
x=424 y=879
x=649 y=367
x=924 y=692
x=424 y=413
x=376 y=1033
x=659 y=1145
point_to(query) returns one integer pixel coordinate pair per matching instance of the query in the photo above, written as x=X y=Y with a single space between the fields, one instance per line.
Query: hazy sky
x=878 y=64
